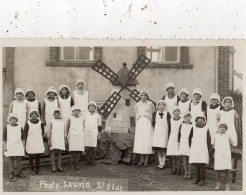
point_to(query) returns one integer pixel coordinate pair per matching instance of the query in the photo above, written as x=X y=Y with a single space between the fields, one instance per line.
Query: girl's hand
x=5 y=149
x=44 y=122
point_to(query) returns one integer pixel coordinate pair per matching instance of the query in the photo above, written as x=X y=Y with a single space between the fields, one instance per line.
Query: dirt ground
x=139 y=179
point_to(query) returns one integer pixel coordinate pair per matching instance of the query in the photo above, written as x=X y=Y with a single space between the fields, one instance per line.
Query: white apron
x=199 y=148
x=184 y=148
x=65 y=106
x=173 y=144
x=160 y=137
x=14 y=142
x=81 y=101
x=171 y=103
x=222 y=155
x=49 y=112
x=212 y=121
x=31 y=106
x=76 y=134
x=19 y=108
x=57 y=134
x=196 y=110
x=34 y=142
x=184 y=106
x=228 y=116
x=91 y=129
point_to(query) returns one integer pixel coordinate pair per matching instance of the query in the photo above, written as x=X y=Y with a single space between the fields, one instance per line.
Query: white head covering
x=186 y=113
x=162 y=101
x=51 y=89
x=228 y=98
x=93 y=103
x=33 y=110
x=12 y=115
x=176 y=108
x=214 y=96
x=200 y=116
x=80 y=81
x=144 y=91
x=30 y=89
x=64 y=86
x=223 y=123
x=57 y=109
x=75 y=107
x=170 y=85
x=197 y=90
x=19 y=90
x=185 y=90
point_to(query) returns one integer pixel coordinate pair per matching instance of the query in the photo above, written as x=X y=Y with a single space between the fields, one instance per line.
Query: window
x=164 y=54
x=127 y=102
x=115 y=115
x=76 y=53
x=132 y=122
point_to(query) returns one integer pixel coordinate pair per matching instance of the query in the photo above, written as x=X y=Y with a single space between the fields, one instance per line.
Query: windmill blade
x=105 y=71
x=137 y=68
x=135 y=94
x=109 y=105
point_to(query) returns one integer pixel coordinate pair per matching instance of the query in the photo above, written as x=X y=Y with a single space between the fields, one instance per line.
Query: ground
x=139 y=179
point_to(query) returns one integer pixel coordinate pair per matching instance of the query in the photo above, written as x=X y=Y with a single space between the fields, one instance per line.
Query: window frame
x=76 y=49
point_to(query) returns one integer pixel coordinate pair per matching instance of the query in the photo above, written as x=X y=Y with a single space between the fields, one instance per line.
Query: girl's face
x=143 y=97
x=30 y=95
x=19 y=95
x=183 y=96
x=214 y=101
x=64 y=91
x=57 y=115
x=51 y=95
x=200 y=121
x=176 y=113
x=170 y=90
x=13 y=121
x=161 y=107
x=92 y=108
x=187 y=118
x=80 y=86
x=34 y=115
x=222 y=128
x=76 y=112
x=227 y=103
x=197 y=96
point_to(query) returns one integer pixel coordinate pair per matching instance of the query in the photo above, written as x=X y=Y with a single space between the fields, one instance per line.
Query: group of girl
x=63 y=121
x=184 y=127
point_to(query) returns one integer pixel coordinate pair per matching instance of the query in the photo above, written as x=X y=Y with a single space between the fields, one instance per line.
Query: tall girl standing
x=144 y=129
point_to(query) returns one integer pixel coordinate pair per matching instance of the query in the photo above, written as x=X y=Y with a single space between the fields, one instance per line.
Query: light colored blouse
x=144 y=109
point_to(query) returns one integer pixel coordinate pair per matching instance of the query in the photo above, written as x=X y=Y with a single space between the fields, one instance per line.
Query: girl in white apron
x=184 y=138
x=75 y=129
x=173 y=144
x=92 y=125
x=184 y=103
x=57 y=139
x=65 y=102
x=171 y=98
x=222 y=144
x=13 y=144
x=229 y=115
x=34 y=131
x=19 y=106
x=32 y=103
x=162 y=128
x=198 y=106
x=200 y=146
x=144 y=130
x=81 y=96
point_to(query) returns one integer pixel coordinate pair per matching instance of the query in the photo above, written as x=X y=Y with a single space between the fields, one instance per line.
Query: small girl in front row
x=32 y=103
x=162 y=128
x=222 y=144
x=75 y=129
x=200 y=147
x=34 y=133
x=13 y=144
x=173 y=145
x=57 y=139
x=185 y=135
x=92 y=125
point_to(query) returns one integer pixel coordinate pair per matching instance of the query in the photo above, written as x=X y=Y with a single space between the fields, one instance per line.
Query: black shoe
x=174 y=171
x=178 y=172
x=196 y=181
x=60 y=170
x=11 y=176
x=32 y=172
x=53 y=170
x=76 y=167
x=38 y=172
x=202 y=182
x=20 y=174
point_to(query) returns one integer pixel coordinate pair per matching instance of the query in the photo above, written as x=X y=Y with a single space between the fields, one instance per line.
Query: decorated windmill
x=124 y=83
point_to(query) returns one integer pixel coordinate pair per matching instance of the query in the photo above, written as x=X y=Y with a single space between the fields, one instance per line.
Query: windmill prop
x=105 y=71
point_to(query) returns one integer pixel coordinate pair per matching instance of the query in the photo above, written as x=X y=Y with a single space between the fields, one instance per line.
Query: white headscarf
x=64 y=86
x=19 y=90
x=198 y=91
x=223 y=123
x=186 y=113
x=12 y=115
x=200 y=116
x=214 y=96
x=144 y=91
x=170 y=85
x=57 y=109
x=161 y=101
x=51 y=89
x=75 y=107
x=228 y=98
x=80 y=81
x=33 y=110
x=30 y=89
x=176 y=108
x=185 y=90
x=93 y=103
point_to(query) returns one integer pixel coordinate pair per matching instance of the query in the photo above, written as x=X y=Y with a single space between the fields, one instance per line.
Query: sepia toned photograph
x=122 y=118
